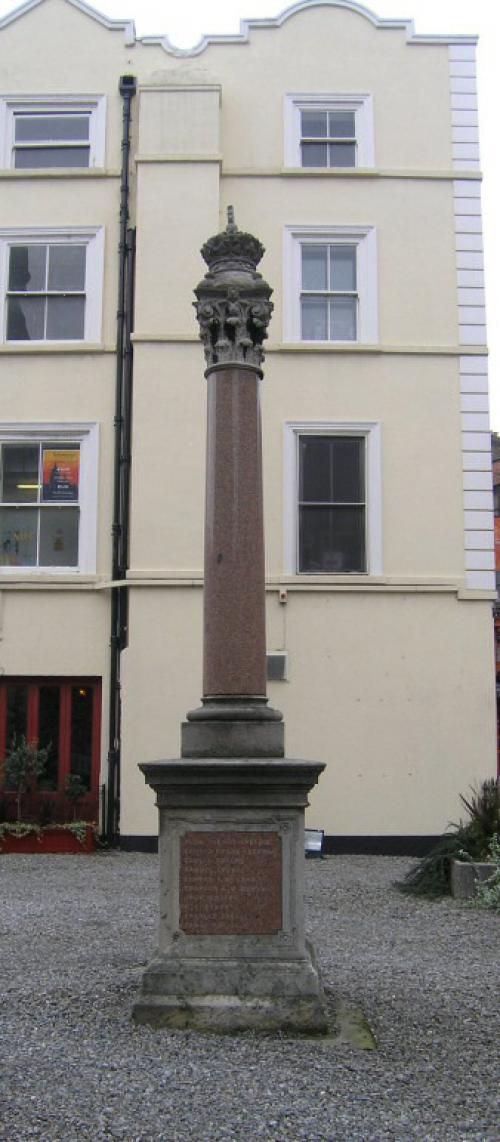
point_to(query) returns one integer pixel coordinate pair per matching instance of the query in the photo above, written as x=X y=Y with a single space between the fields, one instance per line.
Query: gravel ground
x=76 y=933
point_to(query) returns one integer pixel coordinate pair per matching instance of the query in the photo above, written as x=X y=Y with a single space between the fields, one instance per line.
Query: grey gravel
x=76 y=932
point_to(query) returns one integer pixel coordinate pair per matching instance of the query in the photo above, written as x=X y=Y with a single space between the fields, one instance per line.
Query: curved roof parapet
x=246 y=26
x=125 y=26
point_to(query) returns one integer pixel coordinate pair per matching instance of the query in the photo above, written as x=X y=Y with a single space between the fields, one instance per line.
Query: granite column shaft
x=234 y=593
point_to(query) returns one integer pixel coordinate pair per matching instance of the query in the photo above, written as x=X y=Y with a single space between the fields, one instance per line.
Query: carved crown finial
x=233 y=306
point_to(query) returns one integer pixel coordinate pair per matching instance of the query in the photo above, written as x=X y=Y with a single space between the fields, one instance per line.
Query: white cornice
x=246 y=26
x=125 y=26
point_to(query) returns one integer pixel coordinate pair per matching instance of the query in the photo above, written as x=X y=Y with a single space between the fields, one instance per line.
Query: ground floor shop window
x=65 y=715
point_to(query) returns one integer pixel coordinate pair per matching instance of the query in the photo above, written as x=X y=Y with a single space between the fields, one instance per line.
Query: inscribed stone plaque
x=230 y=884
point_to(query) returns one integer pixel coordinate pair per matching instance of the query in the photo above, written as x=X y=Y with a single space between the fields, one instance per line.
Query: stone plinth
x=467 y=875
x=232 y=952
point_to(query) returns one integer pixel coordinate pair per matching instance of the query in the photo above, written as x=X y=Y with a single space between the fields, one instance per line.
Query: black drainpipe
x=122 y=458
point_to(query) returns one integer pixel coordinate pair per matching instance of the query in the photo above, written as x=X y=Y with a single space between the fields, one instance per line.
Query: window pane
x=20 y=480
x=341 y=125
x=331 y=539
x=314 y=319
x=61 y=472
x=342 y=267
x=59 y=537
x=65 y=318
x=17 y=713
x=18 y=537
x=27 y=268
x=67 y=267
x=26 y=319
x=314 y=154
x=38 y=128
x=348 y=470
x=316 y=468
x=331 y=469
x=342 y=154
x=36 y=158
x=314 y=267
x=48 y=733
x=343 y=319
x=314 y=124
x=82 y=702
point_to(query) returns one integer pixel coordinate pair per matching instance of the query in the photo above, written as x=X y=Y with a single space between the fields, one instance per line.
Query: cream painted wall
x=76 y=387
x=413 y=220
x=71 y=202
x=66 y=632
x=333 y=50
x=381 y=689
x=177 y=210
x=320 y=49
x=179 y=122
x=416 y=401
x=169 y=459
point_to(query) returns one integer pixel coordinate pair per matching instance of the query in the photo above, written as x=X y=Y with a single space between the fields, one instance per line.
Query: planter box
x=49 y=841
x=466 y=875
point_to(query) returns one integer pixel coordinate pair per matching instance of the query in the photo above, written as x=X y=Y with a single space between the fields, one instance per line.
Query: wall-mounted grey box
x=277 y=666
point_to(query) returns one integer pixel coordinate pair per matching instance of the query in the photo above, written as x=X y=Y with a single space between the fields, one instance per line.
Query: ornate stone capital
x=233 y=301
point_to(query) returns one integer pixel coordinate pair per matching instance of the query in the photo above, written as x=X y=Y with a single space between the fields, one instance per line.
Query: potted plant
x=461 y=860
x=24 y=764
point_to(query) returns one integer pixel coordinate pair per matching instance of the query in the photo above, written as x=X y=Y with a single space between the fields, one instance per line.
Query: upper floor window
x=329 y=295
x=331 y=503
x=52 y=285
x=48 y=489
x=328 y=139
x=41 y=134
x=332 y=498
x=328 y=131
x=330 y=284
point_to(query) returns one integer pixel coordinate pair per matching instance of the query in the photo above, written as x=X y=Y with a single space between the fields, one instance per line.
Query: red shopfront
x=65 y=714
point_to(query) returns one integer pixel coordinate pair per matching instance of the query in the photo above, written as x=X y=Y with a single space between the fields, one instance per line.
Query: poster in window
x=61 y=472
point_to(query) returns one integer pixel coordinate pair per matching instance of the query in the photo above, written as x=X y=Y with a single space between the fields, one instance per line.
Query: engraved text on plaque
x=231 y=883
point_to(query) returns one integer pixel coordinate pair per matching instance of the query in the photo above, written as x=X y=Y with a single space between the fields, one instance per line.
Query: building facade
x=348 y=145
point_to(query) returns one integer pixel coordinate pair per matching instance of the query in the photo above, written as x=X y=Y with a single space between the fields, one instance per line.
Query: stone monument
x=232 y=950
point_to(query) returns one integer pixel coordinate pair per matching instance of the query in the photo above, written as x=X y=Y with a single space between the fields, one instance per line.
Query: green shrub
x=75 y=790
x=24 y=763
x=469 y=840
x=488 y=891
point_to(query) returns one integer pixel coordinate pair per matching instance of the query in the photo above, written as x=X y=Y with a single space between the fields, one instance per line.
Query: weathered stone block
x=465 y=876
x=232 y=950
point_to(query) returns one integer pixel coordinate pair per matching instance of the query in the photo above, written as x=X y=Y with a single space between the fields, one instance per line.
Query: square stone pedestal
x=232 y=950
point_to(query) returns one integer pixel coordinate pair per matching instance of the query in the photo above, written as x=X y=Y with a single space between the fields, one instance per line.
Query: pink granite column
x=233 y=310
x=234 y=662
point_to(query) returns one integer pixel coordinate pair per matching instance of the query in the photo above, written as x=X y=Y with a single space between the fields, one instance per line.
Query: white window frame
x=362 y=105
x=364 y=238
x=87 y=436
x=94 y=105
x=371 y=432
x=93 y=239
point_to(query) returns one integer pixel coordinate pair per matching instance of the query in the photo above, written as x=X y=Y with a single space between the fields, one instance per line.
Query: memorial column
x=233 y=308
